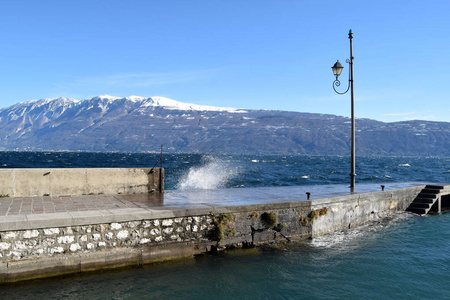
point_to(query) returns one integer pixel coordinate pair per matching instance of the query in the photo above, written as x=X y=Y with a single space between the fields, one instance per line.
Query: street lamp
x=337 y=69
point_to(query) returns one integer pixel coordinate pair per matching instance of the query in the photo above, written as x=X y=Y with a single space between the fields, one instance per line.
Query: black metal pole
x=161 y=157
x=352 y=171
x=161 y=177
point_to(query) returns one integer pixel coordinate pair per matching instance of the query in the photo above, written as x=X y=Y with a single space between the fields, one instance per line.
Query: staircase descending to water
x=426 y=199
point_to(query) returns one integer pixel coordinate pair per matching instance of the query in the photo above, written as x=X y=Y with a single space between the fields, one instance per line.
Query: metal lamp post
x=337 y=69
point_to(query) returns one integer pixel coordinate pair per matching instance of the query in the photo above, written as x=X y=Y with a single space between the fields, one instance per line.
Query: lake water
x=404 y=257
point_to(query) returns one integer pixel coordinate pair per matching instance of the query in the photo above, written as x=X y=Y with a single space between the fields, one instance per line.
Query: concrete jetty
x=42 y=236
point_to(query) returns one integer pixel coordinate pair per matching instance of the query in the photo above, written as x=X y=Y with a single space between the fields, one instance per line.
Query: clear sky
x=259 y=54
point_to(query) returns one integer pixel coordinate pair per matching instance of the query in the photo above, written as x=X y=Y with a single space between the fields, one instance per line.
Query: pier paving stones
x=48 y=211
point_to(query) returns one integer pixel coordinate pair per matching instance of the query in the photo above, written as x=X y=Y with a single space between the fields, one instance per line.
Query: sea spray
x=213 y=173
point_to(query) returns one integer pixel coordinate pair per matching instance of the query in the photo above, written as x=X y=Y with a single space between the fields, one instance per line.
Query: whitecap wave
x=212 y=174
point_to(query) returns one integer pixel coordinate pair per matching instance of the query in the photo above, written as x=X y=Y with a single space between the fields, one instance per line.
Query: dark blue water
x=245 y=170
x=405 y=257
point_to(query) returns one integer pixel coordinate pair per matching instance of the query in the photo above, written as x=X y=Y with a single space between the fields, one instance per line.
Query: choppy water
x=223 y=171
x=406 y=257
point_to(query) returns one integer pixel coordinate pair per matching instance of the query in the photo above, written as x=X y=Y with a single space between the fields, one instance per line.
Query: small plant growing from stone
x=217 y=233
x=270 y=218
x=304 y=221
x=254 y=215
x=323 y=211
x=221 y=223
x=314 y=214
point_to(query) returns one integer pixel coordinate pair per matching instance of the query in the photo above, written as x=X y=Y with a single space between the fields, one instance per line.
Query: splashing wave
x=212 y=174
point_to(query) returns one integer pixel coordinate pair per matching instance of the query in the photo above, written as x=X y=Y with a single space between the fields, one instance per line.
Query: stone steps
x=425 y=200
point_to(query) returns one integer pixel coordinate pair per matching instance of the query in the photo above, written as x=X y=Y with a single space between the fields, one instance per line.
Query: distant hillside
x=137 y=124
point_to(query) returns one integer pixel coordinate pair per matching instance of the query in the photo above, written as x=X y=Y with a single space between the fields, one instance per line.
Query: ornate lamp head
x=337 y=69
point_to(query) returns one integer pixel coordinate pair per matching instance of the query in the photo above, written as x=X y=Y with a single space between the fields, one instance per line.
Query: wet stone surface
x=182 y=199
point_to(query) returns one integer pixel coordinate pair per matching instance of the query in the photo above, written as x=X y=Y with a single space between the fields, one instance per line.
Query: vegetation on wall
x=313 y=214
x=270 y=218
x=223 y=226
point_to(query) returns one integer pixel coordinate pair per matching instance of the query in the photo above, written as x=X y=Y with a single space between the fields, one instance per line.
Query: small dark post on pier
x=161 y=178
x=161 y=171
x=337 y=69
x=308 y=195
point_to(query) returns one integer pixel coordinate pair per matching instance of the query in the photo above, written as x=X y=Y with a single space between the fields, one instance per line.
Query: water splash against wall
x=213 y=173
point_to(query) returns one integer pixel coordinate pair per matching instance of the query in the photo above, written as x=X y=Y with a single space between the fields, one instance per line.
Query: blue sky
x=246 y=54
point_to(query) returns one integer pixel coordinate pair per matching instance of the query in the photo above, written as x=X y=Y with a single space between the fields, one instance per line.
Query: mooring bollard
x=382 y=187
x=308 y=195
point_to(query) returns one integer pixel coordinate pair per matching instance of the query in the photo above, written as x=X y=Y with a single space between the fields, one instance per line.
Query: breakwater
x=80 y=181
x=141 y=228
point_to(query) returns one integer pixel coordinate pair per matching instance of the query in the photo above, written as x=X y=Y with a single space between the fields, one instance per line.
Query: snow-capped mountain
x=57 y=106
x=139 y=124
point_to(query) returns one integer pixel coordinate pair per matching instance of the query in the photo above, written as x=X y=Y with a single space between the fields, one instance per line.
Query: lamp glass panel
x=337 y=69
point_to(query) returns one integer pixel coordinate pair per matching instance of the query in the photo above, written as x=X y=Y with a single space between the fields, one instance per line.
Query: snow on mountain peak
x=104 y=97
x=135 y=98
x=46 y=101
x=176 y=105
x=143 y=102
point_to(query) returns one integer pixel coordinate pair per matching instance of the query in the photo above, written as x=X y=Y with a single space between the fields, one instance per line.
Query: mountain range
x=141 y=124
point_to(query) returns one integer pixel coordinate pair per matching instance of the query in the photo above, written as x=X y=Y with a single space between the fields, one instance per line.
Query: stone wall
x=34 y=253
x=79 y=181
x=45 y=242
x=42 y=252
x=346 y=212
x=222 y=229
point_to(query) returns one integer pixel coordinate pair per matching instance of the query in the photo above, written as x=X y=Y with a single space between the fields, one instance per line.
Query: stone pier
x=43 y=236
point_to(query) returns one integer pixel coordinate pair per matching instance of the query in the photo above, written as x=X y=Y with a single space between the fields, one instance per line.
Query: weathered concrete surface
x=346 y=212
x=51 y=244
x=80 y=181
